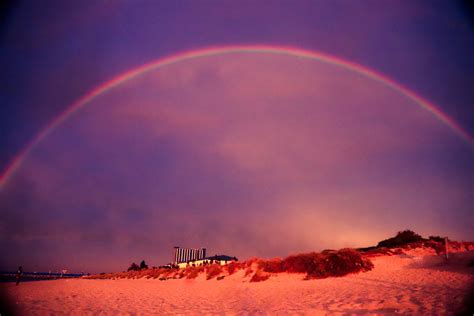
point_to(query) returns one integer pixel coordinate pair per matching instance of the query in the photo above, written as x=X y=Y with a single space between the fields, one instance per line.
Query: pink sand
x=416 y=283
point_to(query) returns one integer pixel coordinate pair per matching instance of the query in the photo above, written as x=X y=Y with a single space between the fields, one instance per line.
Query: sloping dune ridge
x=416 y=281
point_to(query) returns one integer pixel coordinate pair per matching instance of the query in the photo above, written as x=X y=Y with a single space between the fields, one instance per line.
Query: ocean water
x=37 y=276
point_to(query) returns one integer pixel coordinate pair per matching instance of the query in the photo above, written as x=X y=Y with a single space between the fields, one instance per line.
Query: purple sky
x=246 y=154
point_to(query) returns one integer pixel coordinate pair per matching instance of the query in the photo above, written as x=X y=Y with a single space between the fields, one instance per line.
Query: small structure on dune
x=184 y=257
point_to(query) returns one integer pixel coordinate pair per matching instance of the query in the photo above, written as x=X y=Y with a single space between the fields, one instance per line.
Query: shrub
x=272 y=266
x=401 y=239
x=250 y=262
x=374 y=251
x=133 y=267
x=259 y=277
x=322 y=265
x=155 y=273
x=213 y=270
x=436 y=238
x=343 y=262
x=233 y=266
x=143 y=265
x=301 y=263
x=193 y=272
x=435 y=245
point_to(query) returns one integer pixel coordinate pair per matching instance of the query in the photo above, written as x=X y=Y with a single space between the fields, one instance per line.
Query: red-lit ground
x=418 y=282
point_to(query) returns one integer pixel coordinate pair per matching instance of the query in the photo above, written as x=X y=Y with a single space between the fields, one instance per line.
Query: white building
x=217 y=259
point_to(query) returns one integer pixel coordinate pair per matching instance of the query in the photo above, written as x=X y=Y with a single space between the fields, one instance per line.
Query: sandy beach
x=418 y=282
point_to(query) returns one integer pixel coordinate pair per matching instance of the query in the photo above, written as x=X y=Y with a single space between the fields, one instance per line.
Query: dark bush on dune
x=193 y=272
x=248 y=272
x=382 y=251
x=343 y=262
x=136 y=267
x=233 y=266
x=301 y=263
x=259 y=277
x=143 y=265
x=133 y=267
x=436 y=238
x=319 y=265
x=213 y=270
x=272 y=266
x=401 y=239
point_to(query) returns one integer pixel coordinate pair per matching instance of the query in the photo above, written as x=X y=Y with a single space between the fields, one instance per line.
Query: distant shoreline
x=6 y=277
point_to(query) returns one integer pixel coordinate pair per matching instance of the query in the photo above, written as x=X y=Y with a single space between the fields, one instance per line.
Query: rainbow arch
x=281 y=50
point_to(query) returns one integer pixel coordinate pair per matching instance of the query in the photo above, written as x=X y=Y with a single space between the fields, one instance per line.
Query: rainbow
x=290 y=51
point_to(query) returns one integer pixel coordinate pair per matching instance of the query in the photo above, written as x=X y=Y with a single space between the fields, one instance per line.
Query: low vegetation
x=314 y=265
x=319 y=265
x=259 y=276
x=213 y=270
x=136 y=267
x=401 y=239
x=407 y=239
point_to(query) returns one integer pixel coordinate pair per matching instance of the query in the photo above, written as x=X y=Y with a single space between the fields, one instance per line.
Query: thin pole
x=446 y=246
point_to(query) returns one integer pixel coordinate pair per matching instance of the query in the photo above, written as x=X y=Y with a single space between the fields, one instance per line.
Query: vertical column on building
x=176 y=250
x=188 y=254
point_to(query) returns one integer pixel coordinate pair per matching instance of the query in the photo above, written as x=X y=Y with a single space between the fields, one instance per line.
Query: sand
x=414 y=283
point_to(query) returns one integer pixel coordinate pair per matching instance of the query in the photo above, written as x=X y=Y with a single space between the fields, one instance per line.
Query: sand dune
x=417 y=282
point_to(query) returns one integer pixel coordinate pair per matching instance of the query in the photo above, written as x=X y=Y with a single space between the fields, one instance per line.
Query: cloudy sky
x=245 y=152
